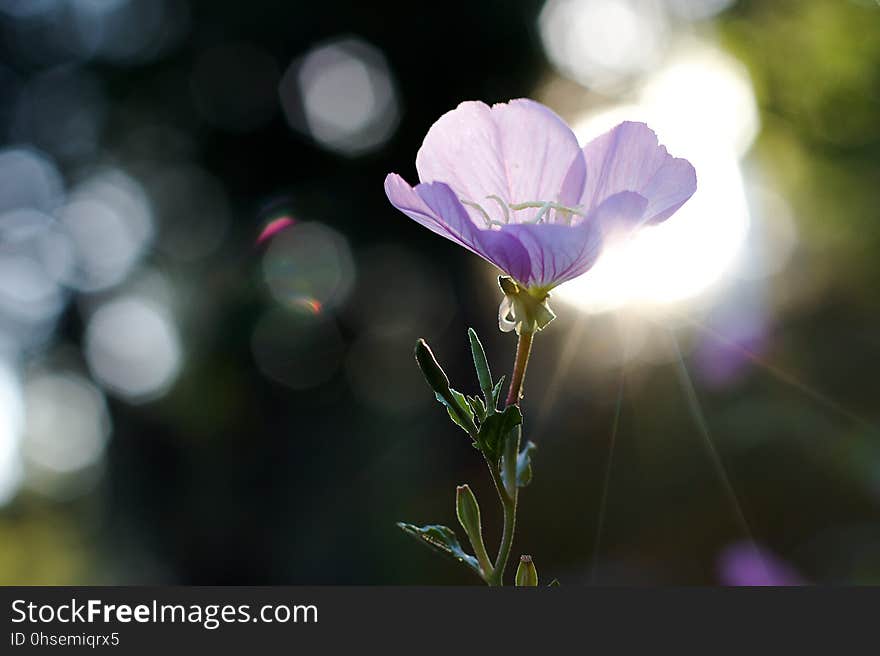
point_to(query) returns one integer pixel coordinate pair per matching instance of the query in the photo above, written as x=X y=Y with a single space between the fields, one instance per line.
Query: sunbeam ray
x=782 y=375
x=606 y=479
x=560 y=371
x=699 y=418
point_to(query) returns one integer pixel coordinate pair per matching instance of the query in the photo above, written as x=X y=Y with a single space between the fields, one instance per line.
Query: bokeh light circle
x=133 y=348
x=308 y=266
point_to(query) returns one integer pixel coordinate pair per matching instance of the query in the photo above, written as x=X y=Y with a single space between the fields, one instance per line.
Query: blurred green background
x=183 y=401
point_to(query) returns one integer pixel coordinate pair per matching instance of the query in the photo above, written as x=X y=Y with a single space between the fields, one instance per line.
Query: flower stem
x=523 y=349
x=505 y=482
x=508 y=504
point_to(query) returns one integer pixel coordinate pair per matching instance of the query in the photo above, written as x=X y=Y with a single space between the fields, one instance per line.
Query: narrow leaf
x=459 y=410
x=481 y=364
x=477 y=405
x=441 y=539
x=496 y=392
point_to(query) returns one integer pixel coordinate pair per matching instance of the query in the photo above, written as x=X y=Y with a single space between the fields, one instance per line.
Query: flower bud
x=526 y=574
x=432 y=371
x=468 y=511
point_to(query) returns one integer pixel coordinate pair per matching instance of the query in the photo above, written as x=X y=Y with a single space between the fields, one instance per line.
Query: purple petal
x=672 y=185
x=620 y=214
x=506 y=252
x=629 y=158
x=435 y=206
x=556 y=253
x=520 y=151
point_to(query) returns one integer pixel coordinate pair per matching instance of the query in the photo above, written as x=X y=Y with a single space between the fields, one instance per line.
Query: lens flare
x=691 y=254
x=273 y=228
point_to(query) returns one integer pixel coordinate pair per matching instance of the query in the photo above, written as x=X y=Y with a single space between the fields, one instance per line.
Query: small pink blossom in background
x=747 y=564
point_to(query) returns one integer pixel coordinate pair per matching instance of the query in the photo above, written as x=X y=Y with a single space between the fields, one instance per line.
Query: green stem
x=508 y=504
x=505 y=482
x=484 y=560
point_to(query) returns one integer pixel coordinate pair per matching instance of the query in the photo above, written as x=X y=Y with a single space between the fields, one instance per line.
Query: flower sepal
x=525 y=310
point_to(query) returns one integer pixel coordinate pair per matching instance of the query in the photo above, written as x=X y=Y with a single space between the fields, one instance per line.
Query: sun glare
x=702 y=107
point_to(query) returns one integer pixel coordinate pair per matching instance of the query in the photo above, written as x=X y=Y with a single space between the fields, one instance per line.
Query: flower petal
x=506 y=252
x=520 y=151
x=629 y=158
x=620 y=214
x=670 y=188
x=435 y=206
x=556 y=252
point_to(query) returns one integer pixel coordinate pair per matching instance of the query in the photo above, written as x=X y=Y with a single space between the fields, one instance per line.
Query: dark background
x=183 y=404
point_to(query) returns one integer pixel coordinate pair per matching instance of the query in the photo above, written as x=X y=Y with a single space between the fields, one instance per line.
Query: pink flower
x=511 y=184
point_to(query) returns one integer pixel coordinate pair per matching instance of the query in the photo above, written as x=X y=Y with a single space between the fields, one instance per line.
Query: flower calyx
x=523 y=309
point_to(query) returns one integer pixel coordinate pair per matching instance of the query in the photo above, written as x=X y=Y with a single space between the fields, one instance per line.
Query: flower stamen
x=480 y=209
x=502 y=205
x=543 y=207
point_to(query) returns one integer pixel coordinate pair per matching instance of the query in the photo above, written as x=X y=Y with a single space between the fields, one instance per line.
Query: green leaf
x=481 y=364
x=495 y=429
x=459 y=410
x=477 y=405
x=496 y=393
x=524 y=465
x=553 y=584
x=442 y=539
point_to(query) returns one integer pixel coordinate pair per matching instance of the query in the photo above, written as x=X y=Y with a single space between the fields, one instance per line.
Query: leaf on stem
x=459 y=410
x=495 y=429
x=442 y=539
x=523 y=464
x=496 y=392
x=477 y=405
x=481 y=364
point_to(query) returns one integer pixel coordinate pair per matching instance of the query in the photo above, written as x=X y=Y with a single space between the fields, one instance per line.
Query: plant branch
x=505 y=482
